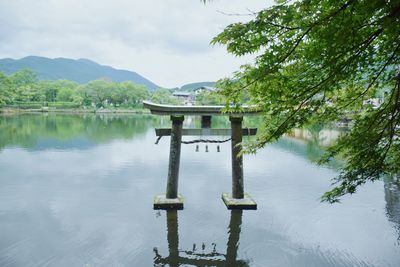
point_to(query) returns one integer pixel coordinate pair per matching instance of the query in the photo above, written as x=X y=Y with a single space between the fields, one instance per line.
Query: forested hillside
x=80 y=71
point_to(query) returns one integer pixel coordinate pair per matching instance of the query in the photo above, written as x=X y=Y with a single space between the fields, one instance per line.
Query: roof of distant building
x=208 y=88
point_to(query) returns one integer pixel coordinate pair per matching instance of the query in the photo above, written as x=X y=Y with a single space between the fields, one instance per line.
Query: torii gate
x=238 y=199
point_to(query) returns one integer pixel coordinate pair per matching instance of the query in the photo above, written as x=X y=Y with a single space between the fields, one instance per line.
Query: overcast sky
x=166 y=41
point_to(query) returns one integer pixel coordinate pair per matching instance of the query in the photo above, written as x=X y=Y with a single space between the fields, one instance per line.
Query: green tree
x=122 y=93
x=135 y=93
x=209 y=98
x=49 y=90
x=23 y=86
x=64 y=90
x=316 y=61
x=164 y=96
x=25 y=77
x=5 y=90
x=99 y=91
x=66 y=95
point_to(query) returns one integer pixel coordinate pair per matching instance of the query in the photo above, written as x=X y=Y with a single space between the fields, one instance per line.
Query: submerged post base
x=245 y=203
x=161 y=202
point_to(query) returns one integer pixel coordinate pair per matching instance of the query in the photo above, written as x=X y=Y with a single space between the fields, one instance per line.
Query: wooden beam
x=160 y=109
x=205 y=132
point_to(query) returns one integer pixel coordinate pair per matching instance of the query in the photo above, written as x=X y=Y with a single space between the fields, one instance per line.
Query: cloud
x=166 y=41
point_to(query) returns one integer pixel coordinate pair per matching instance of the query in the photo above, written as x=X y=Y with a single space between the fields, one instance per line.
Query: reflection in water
x=311 y=142
x=43 y=131
x=392 y=197
x=316 y=138
x=233 y=241
x=317 y=134
x=67 y=184
x=178 y=257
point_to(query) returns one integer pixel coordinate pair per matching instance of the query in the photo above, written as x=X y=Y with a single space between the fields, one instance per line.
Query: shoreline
x=10 y=111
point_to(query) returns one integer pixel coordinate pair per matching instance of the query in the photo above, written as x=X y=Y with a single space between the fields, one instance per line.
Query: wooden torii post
x=237 y=199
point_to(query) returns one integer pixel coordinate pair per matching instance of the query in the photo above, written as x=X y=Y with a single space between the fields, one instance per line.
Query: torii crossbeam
x=238 y=199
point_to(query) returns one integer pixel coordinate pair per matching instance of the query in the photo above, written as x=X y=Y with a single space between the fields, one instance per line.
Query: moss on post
x=237 y=159
x=174 y=156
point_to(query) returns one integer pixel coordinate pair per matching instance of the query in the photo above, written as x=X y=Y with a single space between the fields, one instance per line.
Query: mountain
x=193 y=86
x=80 y=71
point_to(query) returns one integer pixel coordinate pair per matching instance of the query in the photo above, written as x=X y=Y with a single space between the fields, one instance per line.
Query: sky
x=166 y=41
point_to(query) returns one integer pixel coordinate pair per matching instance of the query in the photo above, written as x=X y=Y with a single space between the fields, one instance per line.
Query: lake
x=77 y=190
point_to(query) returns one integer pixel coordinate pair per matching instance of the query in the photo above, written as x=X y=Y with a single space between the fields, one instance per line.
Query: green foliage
x=104 y=92
x=5 y=90
x=27 y=105
x=316 y=62
x=131 y=94
x=65 y=105
x=164 y=96
x=209 y=98
x=23 y=90
x=99 y=91
x=23 y=77
x=65 y=94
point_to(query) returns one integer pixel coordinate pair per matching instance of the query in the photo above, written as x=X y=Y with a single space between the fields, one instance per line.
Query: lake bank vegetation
x=23 y=91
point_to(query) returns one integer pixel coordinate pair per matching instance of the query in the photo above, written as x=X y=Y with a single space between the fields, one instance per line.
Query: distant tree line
x=24 y=90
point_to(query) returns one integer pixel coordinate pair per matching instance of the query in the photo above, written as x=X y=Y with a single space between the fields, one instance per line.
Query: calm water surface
x=78 y=191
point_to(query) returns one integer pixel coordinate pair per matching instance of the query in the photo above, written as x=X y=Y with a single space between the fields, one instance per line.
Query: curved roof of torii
x=161 y=109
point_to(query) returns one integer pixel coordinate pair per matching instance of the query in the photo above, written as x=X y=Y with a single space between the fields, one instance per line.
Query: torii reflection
x=178 y=257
